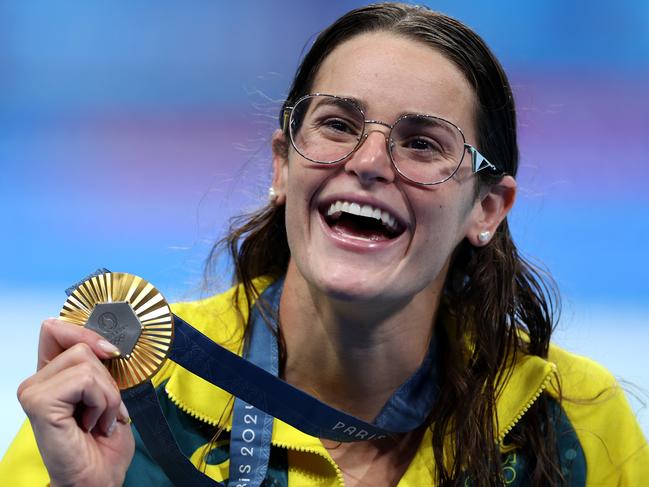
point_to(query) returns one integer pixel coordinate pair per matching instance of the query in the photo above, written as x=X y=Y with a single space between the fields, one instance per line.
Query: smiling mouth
x=361 y=221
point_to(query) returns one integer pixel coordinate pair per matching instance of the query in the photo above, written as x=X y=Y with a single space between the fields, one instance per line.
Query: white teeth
x=388 y=220
x=366 y=211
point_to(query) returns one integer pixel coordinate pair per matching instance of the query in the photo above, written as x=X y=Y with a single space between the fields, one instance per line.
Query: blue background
x=131 y=131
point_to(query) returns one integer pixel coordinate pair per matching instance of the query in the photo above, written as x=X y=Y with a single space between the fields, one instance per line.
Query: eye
x=422 y=144
x=339 y=125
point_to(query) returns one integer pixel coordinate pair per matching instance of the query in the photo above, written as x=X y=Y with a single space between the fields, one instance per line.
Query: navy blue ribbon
x=261 y=395
x=147 y=416
x=232 y=373
x=405 y=411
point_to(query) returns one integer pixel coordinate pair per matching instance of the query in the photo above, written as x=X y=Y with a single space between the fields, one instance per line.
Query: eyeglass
x=424 y=149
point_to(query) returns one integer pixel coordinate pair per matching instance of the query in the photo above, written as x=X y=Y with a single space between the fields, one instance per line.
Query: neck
x=352 y=356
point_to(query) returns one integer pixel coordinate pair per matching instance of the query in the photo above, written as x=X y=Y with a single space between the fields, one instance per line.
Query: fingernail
x=111 y=428
x=109 y=348
x=88 y=428
x=123 y=414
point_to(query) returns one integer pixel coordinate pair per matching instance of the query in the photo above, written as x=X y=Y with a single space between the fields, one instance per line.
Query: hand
x=79 y=420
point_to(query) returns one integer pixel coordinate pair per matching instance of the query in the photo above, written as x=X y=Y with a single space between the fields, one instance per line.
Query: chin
x=349 y=294
x=353 y=286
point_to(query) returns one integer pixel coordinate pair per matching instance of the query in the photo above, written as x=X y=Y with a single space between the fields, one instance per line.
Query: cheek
x=299 y=191
x=303 y=185
x=441 y=224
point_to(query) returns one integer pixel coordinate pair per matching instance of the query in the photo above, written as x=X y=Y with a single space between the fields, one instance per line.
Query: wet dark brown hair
x=491 y=293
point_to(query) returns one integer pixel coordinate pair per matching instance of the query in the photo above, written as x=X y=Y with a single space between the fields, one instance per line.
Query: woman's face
x=353 y=259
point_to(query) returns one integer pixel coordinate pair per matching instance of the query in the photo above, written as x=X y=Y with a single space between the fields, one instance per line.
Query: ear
x=280 y=147
x=490 y=209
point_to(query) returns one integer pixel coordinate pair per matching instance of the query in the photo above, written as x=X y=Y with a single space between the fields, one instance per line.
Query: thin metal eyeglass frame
x=478 y=161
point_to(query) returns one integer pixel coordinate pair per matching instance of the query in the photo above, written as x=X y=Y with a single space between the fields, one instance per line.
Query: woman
x=387 y=246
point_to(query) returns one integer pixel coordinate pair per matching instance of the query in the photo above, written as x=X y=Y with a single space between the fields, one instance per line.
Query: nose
x=371 y=161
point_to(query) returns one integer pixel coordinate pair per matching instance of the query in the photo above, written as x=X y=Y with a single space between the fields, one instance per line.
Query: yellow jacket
x=609 y=447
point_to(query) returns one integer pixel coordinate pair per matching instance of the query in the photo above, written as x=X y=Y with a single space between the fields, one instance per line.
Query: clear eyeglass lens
x=426 y=149
x=327 y=129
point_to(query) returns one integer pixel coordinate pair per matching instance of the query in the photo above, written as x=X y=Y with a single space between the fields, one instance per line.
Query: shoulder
x=595 y=405
x=22 y=461
x=580 y=376
x=218 y=317
x=221 y=317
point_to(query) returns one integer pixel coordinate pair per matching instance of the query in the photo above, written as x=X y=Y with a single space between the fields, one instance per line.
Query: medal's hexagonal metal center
x=117 y=323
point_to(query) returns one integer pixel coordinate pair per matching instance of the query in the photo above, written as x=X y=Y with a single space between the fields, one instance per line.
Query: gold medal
x=131 y=314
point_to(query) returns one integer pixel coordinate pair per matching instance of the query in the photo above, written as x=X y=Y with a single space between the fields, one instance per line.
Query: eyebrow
x=445 y=126
x=337 y=99
x=358 y=102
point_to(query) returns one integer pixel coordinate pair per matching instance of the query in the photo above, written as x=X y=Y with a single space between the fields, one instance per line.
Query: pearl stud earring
x=272 y=195
x=484 y=236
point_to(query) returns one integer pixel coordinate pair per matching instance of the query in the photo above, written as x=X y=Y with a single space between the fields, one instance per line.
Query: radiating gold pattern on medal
x=150 y=307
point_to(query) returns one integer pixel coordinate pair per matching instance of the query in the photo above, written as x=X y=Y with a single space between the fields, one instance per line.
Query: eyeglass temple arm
x=478 y=161
x=286 y=115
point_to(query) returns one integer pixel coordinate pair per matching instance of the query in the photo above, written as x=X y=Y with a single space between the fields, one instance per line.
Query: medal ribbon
x=261 y=395
x=252 y=428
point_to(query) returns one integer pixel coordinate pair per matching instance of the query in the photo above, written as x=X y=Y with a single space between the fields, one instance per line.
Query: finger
x=100 y=412
x=57 y=335
x=82 y=354
x=77 y=389
x=77 y=354
x=122 y=414
x=112 y=413
x=117 y=430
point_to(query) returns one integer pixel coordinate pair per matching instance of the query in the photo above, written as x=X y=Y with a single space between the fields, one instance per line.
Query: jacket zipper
x=339 y=475
x=528 y=405
x=187 y=410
